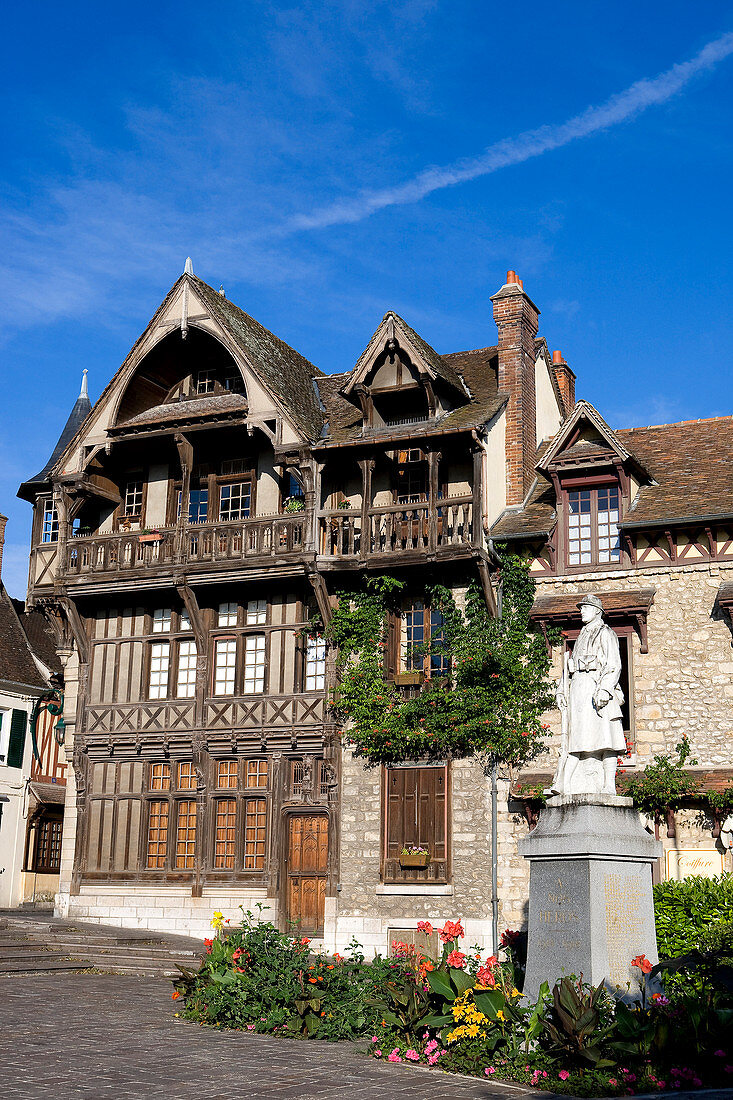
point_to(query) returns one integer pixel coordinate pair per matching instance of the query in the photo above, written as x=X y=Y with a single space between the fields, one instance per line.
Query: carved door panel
x=307 y=871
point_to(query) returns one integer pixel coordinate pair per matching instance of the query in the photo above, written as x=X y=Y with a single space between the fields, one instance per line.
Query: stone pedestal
x=591 y=909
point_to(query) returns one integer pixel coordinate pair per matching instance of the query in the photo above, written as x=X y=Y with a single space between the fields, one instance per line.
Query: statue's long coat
x=595 y=664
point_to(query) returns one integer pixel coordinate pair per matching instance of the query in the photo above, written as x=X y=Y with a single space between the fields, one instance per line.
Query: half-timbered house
x=197 y=521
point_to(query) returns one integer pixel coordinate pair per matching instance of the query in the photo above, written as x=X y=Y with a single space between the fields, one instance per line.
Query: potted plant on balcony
x=412 y=856
x=150 y=536
x=293 y=504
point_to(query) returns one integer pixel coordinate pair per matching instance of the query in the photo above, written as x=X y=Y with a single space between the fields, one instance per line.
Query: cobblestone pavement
x=103 y=1035
x=108 y=1036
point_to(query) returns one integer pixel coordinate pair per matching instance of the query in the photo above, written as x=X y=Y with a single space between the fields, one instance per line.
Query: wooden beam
x=77 y=627
x=321 y=593
x=490 y=599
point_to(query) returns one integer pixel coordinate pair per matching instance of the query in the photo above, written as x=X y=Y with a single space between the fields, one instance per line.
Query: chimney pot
x=511 y=277
x=521 y=284
x=557 y=357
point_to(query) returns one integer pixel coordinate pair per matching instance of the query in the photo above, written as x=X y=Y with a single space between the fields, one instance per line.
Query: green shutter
x=16 y=744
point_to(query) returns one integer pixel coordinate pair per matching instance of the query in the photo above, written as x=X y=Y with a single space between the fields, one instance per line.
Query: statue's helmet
x=591 y=600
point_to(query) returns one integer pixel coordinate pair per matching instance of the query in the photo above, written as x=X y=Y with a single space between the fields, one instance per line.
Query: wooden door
x=307 y=871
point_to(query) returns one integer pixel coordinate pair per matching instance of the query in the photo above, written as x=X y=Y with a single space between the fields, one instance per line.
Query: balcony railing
x=397 y=528
x=268 y=536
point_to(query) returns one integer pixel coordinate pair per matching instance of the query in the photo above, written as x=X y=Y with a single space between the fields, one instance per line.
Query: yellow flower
x=472 y=1030
x=516 y=993
x=500 y=1015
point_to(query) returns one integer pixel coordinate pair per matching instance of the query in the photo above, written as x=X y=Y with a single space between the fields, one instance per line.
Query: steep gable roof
x=583 y=411
x=16 y=661
x=287 y=373
x=392 y=327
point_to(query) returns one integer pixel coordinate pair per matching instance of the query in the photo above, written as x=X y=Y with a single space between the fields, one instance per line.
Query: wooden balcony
x=134 y=553
x=397 y=529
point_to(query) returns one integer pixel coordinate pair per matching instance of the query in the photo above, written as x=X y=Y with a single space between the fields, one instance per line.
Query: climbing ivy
x=489 y=703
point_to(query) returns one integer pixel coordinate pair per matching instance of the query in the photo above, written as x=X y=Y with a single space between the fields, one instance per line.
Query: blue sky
x=329 y=160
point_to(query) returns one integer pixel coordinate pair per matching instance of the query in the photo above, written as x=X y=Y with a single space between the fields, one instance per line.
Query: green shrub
x=686 y=910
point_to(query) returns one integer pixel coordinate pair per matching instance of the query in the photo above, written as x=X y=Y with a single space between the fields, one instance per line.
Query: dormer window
x=593 y=516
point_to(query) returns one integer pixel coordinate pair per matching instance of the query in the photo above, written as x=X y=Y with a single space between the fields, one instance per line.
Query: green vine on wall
x=488 y=704
x=664 y=784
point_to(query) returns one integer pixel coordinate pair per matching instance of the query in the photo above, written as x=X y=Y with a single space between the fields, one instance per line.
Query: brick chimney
x=565 y=380
x=517 y=317
x=3 y=521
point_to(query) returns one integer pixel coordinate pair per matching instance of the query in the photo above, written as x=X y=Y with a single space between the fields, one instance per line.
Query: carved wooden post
x=433 y=468
x=202 y=845
x=185 y=455
x=476 y=521
x=367 y=468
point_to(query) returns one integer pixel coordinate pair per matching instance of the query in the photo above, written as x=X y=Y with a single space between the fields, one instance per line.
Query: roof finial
x=84 y=391
x=188 y=269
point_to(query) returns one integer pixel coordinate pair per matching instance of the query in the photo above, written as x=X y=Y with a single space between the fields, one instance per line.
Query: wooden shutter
x=416 y=814
x=16 y=744
x=392 y=648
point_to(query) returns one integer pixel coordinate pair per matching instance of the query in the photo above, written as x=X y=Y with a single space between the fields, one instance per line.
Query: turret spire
x=84 y=391
x=188 y=269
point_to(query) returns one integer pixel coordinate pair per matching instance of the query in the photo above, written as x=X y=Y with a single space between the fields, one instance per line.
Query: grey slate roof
x=78 y=415
x=288 y=374
x=16 y=663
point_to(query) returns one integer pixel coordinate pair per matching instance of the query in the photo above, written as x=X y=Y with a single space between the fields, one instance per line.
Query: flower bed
x=465 y=1013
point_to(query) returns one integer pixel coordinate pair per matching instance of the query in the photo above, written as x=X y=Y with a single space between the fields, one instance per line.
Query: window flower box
x=150 y=536
x=408 y=679
x=414 y=857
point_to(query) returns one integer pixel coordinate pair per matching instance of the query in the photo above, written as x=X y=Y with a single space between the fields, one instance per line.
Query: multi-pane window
x=225 y=661
x=157 y=849
x=231 y=466
x=186 y=685
x=160 y=777
x=256 y=612
x=254 y=664
x=315 y=663
x=255 y=823
x=233 y=380
x=47 y=856
x=412 y=478
x=50 y=529
x=185 y=621
x=225 y=832
x=235 y=500
x=294 y=488
x=132 y=504
x=422 y=628
x=227 y=615
x=593 y=526
x=198 y=505
x=186 y=833
x=256 y=774
x=186 y=776
x=205 y=381
x=162 y=620
x=160 y=661
x=415 y=814
x=227 y=774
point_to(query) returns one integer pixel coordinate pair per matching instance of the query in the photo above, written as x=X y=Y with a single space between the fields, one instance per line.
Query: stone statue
x=589 y=698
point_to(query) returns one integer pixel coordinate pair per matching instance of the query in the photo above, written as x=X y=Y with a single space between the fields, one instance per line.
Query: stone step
x=38 y=965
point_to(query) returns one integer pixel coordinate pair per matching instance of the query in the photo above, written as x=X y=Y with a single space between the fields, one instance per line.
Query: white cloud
x=645 y=93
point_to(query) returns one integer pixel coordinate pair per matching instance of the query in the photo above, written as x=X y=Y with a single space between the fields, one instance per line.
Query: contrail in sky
x=515 y=150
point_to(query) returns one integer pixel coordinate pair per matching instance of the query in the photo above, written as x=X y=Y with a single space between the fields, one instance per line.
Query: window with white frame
x=593 y=526
x=254 y=664
x=132 y=505
x=227 y=614
x=235 y=500
x=186 y=686
x=315 y=663
x=4 y=735
x=225 y=664
x=421 y=640
x=256 y=612
x=185 y=621
x=50 y=529
x=205 y=381
x=160 y=663
x=162 y=620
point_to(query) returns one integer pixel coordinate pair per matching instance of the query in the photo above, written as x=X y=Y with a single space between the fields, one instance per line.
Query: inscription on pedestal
x=625 y=920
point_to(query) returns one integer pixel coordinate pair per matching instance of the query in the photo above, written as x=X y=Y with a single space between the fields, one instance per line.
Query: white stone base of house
x=172 y=910
x=376 y=934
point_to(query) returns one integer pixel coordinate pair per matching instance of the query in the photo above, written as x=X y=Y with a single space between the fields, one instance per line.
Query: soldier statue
x=589 y=698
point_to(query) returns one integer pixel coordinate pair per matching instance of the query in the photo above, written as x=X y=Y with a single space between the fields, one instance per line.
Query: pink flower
x=489 y=1070
x=394 y=1056
x=250 y=1027
x=728 y=1069
x=452 y=930
x=377 y=1054
x=612 y=1081
x=563 y=1075
x=432 y=1045
x=412 y=1055
x=425 y=926
x=456 y=959
x=375 y=1039
x=719 y=1053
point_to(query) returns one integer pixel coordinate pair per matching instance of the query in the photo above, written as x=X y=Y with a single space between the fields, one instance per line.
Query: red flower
x=175 y=995
x=452 y=930
x=508 y=938
x=207 y=945
x=425 y=926
x=456 y=959
x=305 y=941
x=643 y=963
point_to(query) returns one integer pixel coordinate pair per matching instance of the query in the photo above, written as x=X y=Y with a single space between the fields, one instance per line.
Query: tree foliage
x=488 y=704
